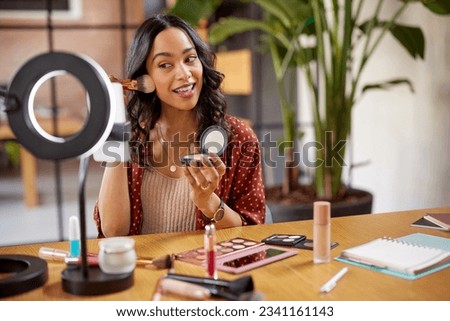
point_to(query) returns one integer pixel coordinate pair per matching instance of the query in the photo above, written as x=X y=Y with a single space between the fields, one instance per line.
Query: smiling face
x=175 y=68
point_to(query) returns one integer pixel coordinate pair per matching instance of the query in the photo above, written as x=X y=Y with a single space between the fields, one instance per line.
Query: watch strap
x=218 y=214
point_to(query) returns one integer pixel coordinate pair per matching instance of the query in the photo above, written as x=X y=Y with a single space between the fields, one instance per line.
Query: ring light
x=102 y=102
x=100 y=118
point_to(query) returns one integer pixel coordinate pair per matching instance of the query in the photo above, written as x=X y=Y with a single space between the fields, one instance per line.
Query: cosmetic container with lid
x=117 y=255
x=322 y=232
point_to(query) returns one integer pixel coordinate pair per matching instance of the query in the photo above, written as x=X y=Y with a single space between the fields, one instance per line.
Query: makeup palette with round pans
x=223 y=248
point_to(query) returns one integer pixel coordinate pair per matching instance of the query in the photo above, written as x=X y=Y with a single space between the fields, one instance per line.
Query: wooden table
x=28 y=167
x=292 y=279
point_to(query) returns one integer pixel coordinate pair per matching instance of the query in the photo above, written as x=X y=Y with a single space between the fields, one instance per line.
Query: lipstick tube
x=210 y=251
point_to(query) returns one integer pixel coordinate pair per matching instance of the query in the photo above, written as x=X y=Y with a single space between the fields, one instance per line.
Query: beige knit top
x=166 y=204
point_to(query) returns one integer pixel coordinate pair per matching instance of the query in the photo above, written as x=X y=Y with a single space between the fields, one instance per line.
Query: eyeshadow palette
x=224 y=248
x=237 y=255
x=293 y=240
x=307 y=244
x=284 y=239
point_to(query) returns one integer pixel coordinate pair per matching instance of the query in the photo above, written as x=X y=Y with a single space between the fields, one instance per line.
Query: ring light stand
x=82 y=280
x=29 y=272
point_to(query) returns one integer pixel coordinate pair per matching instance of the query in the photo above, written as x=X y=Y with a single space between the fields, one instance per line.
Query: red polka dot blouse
x=241 y=187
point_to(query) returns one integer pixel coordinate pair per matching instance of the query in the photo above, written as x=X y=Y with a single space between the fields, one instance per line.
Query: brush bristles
x=145 y=84
x=163 y=262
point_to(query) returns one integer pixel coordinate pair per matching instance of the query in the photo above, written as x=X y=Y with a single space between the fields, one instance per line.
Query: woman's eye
x=191 y=58
x=164 y=65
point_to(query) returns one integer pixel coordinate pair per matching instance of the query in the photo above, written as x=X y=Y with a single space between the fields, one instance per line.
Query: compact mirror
x=213 y=140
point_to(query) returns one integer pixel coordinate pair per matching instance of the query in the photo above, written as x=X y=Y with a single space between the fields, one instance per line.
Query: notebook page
x=396 y=255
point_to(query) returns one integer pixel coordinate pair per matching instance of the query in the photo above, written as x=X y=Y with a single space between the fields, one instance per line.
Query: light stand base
x=27 y=273
x=96 y=283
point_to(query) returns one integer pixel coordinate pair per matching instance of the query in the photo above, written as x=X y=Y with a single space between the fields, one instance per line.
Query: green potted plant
x=337 y=31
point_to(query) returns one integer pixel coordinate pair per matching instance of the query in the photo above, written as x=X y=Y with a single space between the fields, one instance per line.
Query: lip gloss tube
x=210 y=251
x=91 y=260
x=57 y=255
x=52 y=254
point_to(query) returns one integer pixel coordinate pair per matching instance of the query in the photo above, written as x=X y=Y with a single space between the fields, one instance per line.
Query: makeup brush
x=162 y=262
x=57 y=255
x=142 y=83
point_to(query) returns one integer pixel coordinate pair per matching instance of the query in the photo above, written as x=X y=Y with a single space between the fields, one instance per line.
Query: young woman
x=155 y=193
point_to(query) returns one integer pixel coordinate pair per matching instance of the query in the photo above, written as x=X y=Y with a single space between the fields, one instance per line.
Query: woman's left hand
x=204 y=179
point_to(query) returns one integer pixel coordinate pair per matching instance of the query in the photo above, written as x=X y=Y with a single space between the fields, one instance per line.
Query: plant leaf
x=194 y=10
x=411 y=38
x=276 y=9
x=231 y=26
x=388 y=84
x=437 y=6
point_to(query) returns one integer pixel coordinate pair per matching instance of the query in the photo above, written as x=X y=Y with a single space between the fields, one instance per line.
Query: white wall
x=406 y=136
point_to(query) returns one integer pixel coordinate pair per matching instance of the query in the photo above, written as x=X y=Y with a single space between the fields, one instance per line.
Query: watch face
x=219 y=214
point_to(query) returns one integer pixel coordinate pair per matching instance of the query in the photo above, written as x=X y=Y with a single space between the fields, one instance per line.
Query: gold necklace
x=165 y=147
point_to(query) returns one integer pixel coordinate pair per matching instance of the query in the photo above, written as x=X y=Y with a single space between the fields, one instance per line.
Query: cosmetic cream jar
x=117 y=255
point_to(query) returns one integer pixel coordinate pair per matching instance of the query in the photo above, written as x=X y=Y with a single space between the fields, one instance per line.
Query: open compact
x=213 y=140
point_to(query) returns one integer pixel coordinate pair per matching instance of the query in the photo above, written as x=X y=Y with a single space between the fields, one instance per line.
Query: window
x=37 y=9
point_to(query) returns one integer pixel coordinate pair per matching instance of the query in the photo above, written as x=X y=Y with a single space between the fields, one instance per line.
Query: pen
x=328 y=286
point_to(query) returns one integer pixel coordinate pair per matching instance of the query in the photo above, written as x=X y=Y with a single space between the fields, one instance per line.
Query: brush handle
x=144 y=262
x=129 y=84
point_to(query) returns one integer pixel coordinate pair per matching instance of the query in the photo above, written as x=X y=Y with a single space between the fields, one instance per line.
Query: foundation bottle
x=321 y=232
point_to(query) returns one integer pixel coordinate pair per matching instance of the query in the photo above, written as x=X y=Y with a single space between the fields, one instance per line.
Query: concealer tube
x=322 y=232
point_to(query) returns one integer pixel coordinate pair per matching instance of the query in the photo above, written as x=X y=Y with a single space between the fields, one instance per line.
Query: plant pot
x=356 y=202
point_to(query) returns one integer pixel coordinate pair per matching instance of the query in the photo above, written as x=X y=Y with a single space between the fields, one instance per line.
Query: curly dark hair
x=146 y=108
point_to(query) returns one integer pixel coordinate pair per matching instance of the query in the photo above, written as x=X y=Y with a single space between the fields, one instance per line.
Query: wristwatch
x=218 y=215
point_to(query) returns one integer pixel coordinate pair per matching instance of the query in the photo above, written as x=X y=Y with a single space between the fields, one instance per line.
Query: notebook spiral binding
x=390 y=239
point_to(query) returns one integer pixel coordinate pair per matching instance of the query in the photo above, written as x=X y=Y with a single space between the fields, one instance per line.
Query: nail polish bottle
x=322 y=232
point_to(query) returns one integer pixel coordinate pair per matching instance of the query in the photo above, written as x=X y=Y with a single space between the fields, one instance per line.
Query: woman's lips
x=185 y=91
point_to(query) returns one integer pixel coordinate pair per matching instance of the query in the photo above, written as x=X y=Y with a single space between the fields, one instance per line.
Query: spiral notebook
x=399 y=257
